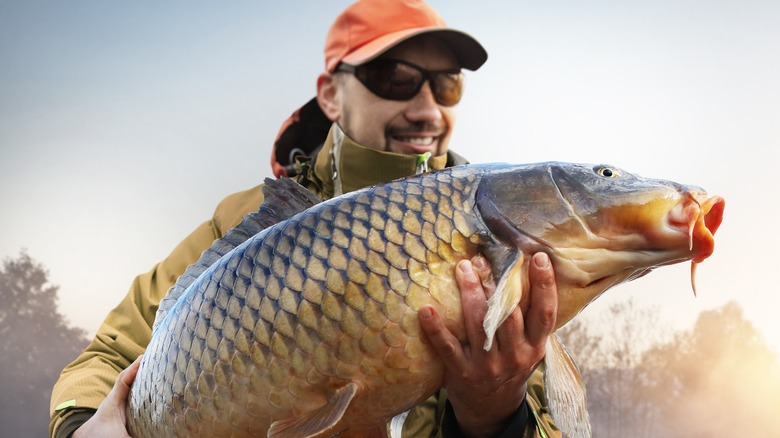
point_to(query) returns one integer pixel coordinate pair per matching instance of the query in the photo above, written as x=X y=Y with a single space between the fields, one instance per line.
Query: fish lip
x=712 y=210
x=696 y=218
x=705 y=225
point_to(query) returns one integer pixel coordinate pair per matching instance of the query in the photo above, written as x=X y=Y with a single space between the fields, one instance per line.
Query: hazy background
x=122 y=124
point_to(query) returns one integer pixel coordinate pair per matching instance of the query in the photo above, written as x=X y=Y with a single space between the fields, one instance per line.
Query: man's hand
x=485 y=388
x=110 y=419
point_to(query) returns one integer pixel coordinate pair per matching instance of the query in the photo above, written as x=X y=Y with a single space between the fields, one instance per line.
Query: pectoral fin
x=565 y=391
x=318 y=421
x=507 y=296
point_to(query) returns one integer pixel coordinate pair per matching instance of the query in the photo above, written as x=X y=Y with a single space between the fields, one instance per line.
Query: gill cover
x=503 y=204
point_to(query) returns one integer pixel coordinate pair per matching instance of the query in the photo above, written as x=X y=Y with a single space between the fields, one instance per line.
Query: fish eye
x=607 y=172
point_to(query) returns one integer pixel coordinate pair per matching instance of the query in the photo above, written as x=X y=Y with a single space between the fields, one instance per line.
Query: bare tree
x=35 y=343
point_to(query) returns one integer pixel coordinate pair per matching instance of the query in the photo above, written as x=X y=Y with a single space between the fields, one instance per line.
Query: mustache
x=410 y=129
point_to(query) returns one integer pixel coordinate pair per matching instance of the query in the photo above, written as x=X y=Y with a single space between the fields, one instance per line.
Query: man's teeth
x=419 y=141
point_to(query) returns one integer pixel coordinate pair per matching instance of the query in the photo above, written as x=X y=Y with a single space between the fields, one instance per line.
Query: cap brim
x=470 y=53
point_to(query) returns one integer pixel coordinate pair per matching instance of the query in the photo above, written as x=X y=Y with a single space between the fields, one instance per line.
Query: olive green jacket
x=126 y=331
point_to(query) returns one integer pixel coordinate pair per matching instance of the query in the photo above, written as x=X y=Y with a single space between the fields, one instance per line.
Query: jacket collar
x=343 y=165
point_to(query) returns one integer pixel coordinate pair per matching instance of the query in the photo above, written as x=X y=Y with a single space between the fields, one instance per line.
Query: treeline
x=36 y=342
x=719 y=379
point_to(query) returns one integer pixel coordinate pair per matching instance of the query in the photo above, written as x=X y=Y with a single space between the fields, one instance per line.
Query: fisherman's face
x=413 y=126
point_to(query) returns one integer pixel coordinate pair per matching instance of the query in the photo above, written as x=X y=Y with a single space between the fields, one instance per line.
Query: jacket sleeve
x=434 y=417
x=126 y=331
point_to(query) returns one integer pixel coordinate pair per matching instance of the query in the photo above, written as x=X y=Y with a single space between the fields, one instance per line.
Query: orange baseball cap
x=368 y=28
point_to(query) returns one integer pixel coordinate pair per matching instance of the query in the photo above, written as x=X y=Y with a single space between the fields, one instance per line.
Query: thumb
x=124 y=381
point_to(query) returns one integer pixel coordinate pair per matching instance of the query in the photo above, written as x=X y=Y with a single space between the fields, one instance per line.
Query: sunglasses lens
x=392 y=80
x=447 y=88
x=396 y=80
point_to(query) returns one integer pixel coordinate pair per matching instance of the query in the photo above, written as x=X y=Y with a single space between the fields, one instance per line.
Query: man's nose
x=423 y=107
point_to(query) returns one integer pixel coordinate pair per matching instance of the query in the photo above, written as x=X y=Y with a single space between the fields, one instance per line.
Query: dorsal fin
x=282 y=199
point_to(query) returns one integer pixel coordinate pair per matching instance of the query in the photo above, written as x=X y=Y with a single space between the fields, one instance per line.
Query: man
x=388 y=98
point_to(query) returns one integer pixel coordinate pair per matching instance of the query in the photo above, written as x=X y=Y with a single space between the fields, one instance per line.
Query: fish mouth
x=700 y=215
x=688 y=235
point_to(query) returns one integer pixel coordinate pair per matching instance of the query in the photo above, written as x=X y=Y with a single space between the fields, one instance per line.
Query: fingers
x=111 y=417
x=473 y=301
x=543 y=307
x=481 y=267
x=487 y=386
x=446 y=345
x=474 y=279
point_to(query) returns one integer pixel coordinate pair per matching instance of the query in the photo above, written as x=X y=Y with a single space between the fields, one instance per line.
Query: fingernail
x=541 y=260
x=465 y=267
x=426 y=313
x=479 y=262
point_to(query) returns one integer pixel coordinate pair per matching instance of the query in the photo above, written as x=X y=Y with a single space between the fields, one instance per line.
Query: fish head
x=600 y=225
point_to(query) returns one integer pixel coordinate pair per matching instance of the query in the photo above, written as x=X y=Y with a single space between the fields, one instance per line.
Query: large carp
x=302 y=321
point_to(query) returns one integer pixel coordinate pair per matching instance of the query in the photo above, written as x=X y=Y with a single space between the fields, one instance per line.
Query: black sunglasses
x=399 y=80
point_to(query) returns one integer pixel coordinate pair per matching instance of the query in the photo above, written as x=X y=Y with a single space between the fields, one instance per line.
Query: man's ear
x=328 y=96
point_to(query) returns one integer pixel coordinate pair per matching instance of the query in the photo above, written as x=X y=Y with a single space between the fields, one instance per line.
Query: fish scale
x=295 y=312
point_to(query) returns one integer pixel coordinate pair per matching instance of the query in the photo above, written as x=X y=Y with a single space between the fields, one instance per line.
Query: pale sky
x=122 y=124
